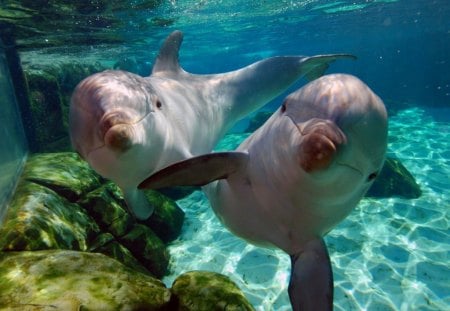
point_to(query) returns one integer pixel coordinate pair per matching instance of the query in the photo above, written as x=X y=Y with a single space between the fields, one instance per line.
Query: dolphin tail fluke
x=315 y=66
x=137 y=204
x=167 y=60
x=311 y=284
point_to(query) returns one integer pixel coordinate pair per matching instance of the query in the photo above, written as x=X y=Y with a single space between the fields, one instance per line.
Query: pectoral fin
x=197 y=171
x=311 y=284
x=137 y=203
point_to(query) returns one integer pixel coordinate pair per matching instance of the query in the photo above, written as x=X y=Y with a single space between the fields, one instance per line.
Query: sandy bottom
x=389 y=254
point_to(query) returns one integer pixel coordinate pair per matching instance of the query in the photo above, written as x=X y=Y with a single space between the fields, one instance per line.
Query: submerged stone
x=202 y=290
x=45 y=106
x=167 y=218
x=107 y=245
x=146 y=246
x=65 y=173
x=69 y=280
x=108 y=209
x=38 y=218
x=41 y=216
x=394 y=180
x=49 y=91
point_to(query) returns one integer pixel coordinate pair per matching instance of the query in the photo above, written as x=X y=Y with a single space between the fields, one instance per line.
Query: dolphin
x=127 y=126
x=296 y=177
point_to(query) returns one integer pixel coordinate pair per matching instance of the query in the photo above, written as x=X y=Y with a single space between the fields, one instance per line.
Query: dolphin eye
x=158 y=104
x=372 y=176
x=283 y=107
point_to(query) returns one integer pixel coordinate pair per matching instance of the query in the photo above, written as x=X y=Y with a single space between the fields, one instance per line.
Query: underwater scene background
x=390 y=253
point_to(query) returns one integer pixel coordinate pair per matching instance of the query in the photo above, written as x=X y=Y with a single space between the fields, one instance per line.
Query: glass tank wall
x=13 y=146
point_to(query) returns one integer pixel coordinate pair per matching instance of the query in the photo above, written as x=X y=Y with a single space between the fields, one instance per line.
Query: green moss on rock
x=69 y=280
x=45 y=106
x=168 y=218
x=147 y=247
x=107 y=207
x=40 y=215
x=49 y=90
x=38 y=218
x=394 y=180
x=65 y=173
x=107 y=245
x=202 y=290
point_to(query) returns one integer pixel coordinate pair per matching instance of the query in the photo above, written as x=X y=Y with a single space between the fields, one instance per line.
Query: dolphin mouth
x=354 y=168
x=295 y=124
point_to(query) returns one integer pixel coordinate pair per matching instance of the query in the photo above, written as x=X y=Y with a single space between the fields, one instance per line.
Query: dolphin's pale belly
x=268 y=218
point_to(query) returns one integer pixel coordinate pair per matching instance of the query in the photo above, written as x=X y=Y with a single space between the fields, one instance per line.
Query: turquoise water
x=389 y=254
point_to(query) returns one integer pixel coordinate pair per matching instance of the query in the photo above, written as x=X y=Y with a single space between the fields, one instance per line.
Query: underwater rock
x=107 y=245
x=38 y=218
x=394 y=180
x=45 y=106
x=147 y=247
x=107 y=206
x=167 y=219
x=127 y=64
x=131 y=64
x=49 y=90
x=61 y=203
x=144 y=241
x=108 y=210
x=65 y=173
x=70 y=280
x=202 y=290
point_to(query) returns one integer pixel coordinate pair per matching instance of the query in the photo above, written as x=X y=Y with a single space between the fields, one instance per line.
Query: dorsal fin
x=167 y=59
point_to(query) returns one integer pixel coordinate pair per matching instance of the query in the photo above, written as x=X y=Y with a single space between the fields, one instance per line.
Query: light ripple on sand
x=388 y=254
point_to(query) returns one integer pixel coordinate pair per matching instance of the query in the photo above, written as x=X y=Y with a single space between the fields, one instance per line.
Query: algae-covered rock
x=147 y=247
x=201 y=290
x=107 y=245
x=69 y=280
x=107 y=207
x=45 y=106
x=168 y=217
x=49 y=91
x=394 y=180
x=40 y=215
x=64 y=172
x=38 y=218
